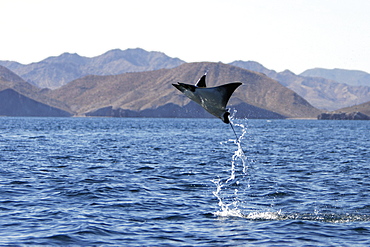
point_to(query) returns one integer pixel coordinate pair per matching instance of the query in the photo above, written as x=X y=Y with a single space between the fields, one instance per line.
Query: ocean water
x=184 y=182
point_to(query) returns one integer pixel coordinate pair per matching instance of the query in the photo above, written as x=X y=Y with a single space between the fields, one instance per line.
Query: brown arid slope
x=363 y=108
x=150 y=90
x=8 y=79
x=21 y=88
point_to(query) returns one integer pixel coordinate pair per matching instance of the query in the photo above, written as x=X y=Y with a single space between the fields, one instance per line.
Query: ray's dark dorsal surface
x=212 y=99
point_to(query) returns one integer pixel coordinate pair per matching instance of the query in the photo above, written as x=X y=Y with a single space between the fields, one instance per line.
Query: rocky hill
x=349 y=77
x=357 y=112
x=19 y=98
x=142 y=93
x=322 y=93
x=8 y=79
x=363 y=108
x=13 y=103
x=54 y=72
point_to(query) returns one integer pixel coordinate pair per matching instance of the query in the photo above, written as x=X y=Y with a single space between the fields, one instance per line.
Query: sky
x=280 y=34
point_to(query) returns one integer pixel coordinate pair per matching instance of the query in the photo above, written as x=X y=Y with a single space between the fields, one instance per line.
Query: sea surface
x=184 y=182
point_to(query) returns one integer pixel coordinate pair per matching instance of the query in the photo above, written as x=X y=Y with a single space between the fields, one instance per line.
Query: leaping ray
x=212 y=99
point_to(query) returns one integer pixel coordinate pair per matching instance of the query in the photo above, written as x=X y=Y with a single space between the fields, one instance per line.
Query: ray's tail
x=237 y=138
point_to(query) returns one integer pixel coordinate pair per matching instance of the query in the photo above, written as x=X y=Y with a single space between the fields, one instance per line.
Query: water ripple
x=148 y=182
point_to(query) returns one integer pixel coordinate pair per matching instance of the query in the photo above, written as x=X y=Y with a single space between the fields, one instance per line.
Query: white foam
x=264 y=215
x=229 y=213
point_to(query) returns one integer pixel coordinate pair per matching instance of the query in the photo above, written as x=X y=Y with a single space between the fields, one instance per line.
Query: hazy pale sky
x=280 y=34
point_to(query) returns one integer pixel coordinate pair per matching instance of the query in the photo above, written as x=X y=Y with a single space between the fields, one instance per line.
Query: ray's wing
x=212 y=99
x=189 y=91
x=226 y=91
x=183 y=87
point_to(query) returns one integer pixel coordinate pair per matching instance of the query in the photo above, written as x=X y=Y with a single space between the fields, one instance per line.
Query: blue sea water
x=184 y=182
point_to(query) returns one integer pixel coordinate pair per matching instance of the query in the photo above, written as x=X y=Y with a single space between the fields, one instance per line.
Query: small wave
x=279 y=216
x=331 y=218
x=263 y=216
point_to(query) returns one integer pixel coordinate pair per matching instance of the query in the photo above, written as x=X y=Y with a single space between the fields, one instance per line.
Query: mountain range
x=350 y=77
x=54 y=72
x=150 y=93
x=20 y=98
x=135 y=82
x=324 y=89
x=323 y=93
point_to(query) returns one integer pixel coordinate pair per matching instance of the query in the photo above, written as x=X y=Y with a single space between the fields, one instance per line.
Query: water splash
x=227 y=189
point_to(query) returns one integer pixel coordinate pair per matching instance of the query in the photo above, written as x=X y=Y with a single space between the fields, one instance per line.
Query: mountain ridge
x=349 y=77
x=9 y=80
x=148 y=90
x=56 y=71
x=321 y=92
